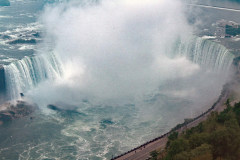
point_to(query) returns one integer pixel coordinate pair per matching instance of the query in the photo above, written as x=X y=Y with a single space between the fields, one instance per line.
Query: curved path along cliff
x=214 y=7
x=143 y=152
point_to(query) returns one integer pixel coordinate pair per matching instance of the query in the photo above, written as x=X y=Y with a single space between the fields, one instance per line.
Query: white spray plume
x=116 y=49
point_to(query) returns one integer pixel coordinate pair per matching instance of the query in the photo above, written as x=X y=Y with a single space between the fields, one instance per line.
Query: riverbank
x=218 y=137
x=143 y=152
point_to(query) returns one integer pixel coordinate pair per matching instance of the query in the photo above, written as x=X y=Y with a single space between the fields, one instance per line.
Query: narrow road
x=214 y=7
x=143 y=152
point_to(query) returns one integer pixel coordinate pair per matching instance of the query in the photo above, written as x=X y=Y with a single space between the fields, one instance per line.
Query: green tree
x=177 y=146
x=216 y=138
x=154 y=155
x=197 y=139
x=203 y=152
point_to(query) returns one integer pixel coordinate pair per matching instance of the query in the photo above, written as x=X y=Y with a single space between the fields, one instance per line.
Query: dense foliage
x=217 y=138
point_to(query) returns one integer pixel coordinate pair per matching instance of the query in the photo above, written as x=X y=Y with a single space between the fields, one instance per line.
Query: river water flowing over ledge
x=90 y=129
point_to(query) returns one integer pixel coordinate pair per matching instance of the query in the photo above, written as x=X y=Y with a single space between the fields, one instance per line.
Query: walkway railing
x=224 y=92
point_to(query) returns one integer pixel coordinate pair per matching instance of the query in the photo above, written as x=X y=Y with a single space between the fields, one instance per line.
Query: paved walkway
x=143 y=152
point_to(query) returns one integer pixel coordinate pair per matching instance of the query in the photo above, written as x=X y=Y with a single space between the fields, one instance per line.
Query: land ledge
x=143 y=151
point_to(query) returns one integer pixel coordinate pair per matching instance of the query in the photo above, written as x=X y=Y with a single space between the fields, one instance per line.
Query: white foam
x=9 y=59
x=236 y=39
x=6 y=16
x=209 y=37
x=26 y=47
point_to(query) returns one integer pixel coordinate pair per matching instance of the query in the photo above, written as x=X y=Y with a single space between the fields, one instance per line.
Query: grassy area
x=217 y=138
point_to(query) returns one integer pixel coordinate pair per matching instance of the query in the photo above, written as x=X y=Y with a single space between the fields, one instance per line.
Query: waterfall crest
x=26 y=73
x=206 y=53
x=22 y=75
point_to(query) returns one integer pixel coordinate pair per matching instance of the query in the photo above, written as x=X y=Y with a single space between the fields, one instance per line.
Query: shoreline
x=142 y=152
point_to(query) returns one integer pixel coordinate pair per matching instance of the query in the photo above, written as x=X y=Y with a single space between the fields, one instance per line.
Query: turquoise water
x=18 y=29
x=90 y=132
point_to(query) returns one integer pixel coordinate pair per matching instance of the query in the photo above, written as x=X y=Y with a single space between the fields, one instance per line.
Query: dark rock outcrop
x=54 y=107
x=65 y=109
x=9 y=111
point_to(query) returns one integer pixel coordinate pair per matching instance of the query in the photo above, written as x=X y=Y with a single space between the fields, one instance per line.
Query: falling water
x=207 y=54
x=25 y=74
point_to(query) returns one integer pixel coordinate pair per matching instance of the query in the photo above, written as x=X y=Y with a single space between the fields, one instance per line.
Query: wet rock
x=53 y=107
x=10 y=111
x=21 y=94
x=65 y=109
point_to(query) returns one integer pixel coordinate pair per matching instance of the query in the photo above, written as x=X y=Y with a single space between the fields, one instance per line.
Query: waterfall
x=28 y=72
x=206 y=53
x=24 y=74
